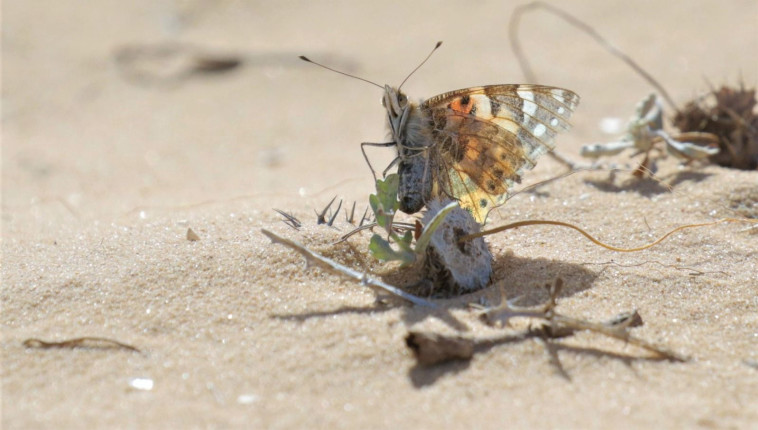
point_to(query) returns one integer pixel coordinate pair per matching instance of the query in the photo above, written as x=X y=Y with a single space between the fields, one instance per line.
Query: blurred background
x=109 y=106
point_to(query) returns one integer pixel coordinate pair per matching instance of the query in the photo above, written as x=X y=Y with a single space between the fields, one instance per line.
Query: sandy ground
x=104 y=171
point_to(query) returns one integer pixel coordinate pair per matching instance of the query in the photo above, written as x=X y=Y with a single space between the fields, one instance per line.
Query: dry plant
x=314 y=259
x=432 y=348
x=721 y=126
x=730 y=114
x=80 y=342
x=448 y=245
x=645 y=134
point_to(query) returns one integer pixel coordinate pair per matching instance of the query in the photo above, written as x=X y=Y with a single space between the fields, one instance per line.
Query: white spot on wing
x=554 y=122
x=530 y=108
x=539 y=130
x=483 y=107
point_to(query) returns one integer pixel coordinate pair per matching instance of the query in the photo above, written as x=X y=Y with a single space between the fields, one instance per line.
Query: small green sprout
x=385 y=205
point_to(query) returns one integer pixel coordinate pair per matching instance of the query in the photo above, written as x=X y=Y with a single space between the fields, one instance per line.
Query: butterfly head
x=394 y=101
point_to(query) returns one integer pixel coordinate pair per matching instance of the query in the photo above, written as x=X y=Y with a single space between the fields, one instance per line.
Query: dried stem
x=80 y=342
x=563 y=325
x=334 y=267
x=619 y=332
x=592 y=239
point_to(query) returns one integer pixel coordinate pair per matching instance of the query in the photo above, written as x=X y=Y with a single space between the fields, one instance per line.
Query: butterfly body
x=413 y=141
x=472 y=144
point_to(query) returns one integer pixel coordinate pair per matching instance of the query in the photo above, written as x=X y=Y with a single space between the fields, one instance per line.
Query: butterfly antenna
x=419 y=66
x=304 y=58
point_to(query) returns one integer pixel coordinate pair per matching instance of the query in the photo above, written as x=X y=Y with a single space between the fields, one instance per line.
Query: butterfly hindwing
x=485 y=137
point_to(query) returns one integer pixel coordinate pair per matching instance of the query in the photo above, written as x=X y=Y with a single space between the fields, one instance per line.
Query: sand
x=104 y=171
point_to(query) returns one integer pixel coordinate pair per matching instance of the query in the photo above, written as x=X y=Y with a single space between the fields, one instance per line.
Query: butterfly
x=471 y=144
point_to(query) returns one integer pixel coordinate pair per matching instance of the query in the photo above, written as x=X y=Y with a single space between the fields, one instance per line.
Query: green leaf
x=429 y=229
x=404 y=242
x=381 y=250
x=386 y=190
x=381 y=218
x=384 y=203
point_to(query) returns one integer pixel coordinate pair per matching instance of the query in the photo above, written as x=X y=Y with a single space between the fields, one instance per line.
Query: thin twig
x=80 y=342
x=354 y=231
x=561 y=325
x=334 y=267
x=351 y=217
x=290 y=219
x=321 y=217
x=693 y=271
x=399 y=226
x=365 y=218
x=334 y=216
x=618 y=332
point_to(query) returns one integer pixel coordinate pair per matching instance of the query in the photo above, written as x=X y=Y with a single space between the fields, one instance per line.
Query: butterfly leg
x=365 y=157
x=391 y=165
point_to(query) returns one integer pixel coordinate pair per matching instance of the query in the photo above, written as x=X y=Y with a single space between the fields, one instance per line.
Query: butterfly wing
x=485 y=137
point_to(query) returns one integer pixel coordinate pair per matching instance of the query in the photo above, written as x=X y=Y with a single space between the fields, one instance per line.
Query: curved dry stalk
x=586 y=28
x=399 y=226
x=592 y=239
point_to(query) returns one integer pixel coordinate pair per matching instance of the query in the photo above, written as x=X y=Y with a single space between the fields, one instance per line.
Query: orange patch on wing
x=458 y=106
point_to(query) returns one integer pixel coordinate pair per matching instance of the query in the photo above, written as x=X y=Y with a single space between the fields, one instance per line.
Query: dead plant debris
x=80 y=342
x=192 y=236
x=432 y=348
x=312 y=258
x=289 y=219
x=730 y=114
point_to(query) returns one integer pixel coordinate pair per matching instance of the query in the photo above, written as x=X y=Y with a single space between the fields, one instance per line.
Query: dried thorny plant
x=721 y=126
x=730 y=114
x=314 y=259
x=448 y=246
x=559 y=325
x=326 y=216
x=432 y=348
x=465 y=266
x=645 y=134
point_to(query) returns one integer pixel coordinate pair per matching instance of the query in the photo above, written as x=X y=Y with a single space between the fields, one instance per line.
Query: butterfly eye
x=402 y=99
